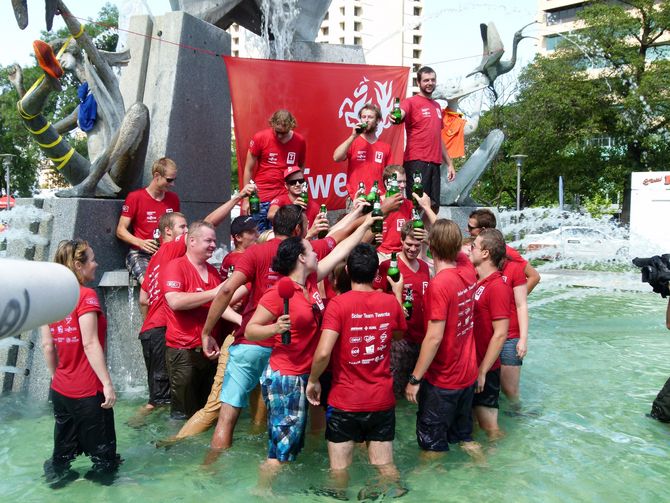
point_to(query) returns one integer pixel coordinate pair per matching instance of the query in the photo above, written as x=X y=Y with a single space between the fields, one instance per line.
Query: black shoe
x=58 y=476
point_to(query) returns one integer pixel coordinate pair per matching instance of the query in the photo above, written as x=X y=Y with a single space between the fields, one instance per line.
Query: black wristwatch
x=413 y=380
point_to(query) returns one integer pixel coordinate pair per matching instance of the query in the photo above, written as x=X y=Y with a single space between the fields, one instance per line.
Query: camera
x=655 y=271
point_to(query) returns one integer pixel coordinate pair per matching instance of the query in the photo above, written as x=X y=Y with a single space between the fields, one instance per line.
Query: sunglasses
x=471 y=228
x=170 y=180
x=297 y=181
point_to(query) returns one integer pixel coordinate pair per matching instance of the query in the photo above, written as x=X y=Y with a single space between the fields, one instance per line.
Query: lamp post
x=519 y=162
x=7 y=163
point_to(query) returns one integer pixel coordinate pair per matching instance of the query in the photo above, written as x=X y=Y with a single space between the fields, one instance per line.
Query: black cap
x=241 y=224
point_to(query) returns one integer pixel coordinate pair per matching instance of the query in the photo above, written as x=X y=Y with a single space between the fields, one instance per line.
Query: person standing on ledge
x=271 y=151
x=141 y=212
x=424 y=151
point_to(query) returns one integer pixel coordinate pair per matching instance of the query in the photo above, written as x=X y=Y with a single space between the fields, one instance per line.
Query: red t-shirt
x=256 y=265
x=165 y=254
x=360 y=361
x=423 y=125
x=366 y=164
x=74 y=376
x=273 y=158
x=312 y=208
x=513 y=274
x=296 y=358
x=144 y=211
x=449 y=298
x=493 y=300
x=418 y=283
x=514 y=255
x=393 y=223
x=184 y=327
x=232 y=259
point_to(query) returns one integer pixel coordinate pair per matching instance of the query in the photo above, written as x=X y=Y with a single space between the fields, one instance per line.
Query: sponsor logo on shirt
x=60 y=329
x=355 y=351
x=125 y=207
x=290 y=158
x=361 y=155
x=90 y=302
x=369 y=349
x=355 y=340
x=382 y=347
x=251 y=143
x=438 y=112
x=272 y=157
x=151 y=216
x=399 y=223
x=425 y=112
x=379 y=157
x=369 y=338
x=425 y=286
x=383 y=337
x=174 y=284
x=169 y=210
x=383 y=326
x=318 y=301
x=479 y=292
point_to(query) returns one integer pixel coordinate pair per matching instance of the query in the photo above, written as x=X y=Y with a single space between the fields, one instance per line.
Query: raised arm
x=247 y=176
x=217 y=216
x=263 y=325
x=340 y=153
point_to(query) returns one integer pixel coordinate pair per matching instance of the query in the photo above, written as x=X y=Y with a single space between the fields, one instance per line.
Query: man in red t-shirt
x=424 y=151
x=444 y=378
x=367 y=156
x=395 y=220
x=416 y=275
x=294 y=180
x=492 y=301
x=141 y=212
x=190 y=284
x=357 y=330
x=270 y=152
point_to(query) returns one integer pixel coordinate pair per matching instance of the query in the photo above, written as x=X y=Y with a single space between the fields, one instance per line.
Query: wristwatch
x=413 y=380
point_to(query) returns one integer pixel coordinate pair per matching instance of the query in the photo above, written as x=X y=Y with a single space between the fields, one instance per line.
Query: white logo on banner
x=379 y=93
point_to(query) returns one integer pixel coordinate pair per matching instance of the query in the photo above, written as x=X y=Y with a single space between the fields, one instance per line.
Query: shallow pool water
x=596 y=360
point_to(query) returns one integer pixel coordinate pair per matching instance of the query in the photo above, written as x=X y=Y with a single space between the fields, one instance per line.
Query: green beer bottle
x=408 y=303
x=393 y=186
x=231 y=270
x=417 y=187
x=304 y=195
x=254 y=201
x=394 y=272
x=417 y=223
x=323 y=234
x=377 y=225
x=396 y=113
x=373 y=193
x=361 y=127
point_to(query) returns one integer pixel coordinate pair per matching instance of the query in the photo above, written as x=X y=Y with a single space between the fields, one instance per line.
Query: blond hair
x=445 y=239
x=69 y=252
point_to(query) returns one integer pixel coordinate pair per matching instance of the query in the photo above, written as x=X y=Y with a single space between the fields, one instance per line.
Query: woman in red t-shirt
x=81 y=389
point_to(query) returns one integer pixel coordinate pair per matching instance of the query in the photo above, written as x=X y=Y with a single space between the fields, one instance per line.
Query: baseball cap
x=290 y=170
x=241 y=224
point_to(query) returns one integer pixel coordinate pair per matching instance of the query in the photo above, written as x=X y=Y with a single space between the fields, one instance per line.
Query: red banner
x=325 y=99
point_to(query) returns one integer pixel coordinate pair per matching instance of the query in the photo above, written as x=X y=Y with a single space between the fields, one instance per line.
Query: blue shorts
x=246 y=364
x=261 y=218
x=286 y=401
x=508 y=354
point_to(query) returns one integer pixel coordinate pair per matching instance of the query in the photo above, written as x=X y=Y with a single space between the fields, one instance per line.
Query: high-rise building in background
x=557 y=18
x=389 y=31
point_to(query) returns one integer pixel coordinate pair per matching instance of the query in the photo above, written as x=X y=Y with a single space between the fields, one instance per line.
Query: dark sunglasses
x=170 y=180
x=297 y=181
x=471 y=228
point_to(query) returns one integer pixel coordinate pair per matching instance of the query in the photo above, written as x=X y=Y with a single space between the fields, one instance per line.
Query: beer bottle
x=396 y=113
x=417 y=187
x=254 y=201
x=304 y=196
x=323 y=234
x=394 y=272
x=393 y=186
x=360 y=193
x=417 y=223
x=408 y=303
x=361 y=127
x=372 y=195
x=377 y=225
x=157 y=237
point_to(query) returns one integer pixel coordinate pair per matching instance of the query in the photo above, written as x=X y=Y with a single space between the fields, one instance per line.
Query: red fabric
x=144 y=211
x=393 y=223
x=453 y=133
x=423 y=125
x=514 y=255
x=360 y=361
x=273 y=158
x=184 y=327
x=340 y=89
x=449 y=298
x=232 y=258
x=418 y=283
x=513 y=274
x=296 y=358
x=165 y=254
x=74 y=376
x=493 y=300
x=312 y=208
x=366 y=163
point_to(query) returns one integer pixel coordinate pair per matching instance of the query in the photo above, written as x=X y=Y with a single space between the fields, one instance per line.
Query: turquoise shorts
x=245 y=367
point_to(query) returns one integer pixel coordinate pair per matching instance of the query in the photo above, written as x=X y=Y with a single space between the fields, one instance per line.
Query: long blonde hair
x=70 y=251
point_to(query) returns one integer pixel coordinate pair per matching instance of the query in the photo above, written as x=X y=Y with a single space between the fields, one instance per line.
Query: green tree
x=14 y=139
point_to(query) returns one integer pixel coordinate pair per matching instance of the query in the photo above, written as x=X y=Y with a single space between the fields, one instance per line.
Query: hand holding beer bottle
x=396 y=113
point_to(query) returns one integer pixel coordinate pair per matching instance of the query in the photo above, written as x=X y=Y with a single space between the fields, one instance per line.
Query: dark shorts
x=404 y=355
x=153 y=350
x=191 y=376
x=326 y=381
x=343 y=426
x=444 y=416
x=82 y=426
x=508 y=354
x=430 y=178
x=136 y=263
x=491 y=392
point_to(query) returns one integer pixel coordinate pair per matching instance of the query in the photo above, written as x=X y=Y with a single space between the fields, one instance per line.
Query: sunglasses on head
x=297 y=181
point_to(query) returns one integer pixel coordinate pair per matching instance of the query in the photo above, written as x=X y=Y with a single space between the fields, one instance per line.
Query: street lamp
x=519 y=161
x=7 y=163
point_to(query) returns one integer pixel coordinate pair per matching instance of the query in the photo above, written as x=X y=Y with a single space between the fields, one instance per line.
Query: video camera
x=656 y=272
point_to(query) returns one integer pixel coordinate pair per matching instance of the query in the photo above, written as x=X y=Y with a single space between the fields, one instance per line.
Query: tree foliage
x=594 y=111
x=15 y=139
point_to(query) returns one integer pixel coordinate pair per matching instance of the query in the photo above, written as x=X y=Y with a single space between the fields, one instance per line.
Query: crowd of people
x=295 y=326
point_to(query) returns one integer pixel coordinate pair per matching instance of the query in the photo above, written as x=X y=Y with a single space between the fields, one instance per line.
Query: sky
x=452 y=41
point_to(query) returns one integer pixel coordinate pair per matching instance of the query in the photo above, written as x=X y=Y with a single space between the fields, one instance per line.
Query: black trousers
x=153 y=350
x=191 y=376
x=82 y=426
x=430 y=178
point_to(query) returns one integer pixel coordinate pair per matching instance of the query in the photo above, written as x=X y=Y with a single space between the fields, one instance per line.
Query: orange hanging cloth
x=47 y=60
x=453 y=133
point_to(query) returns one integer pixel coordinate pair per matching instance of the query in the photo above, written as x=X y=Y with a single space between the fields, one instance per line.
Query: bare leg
x=267 y=473
x=474 y=450
x=341 y=455
x=487 y=417
x=510 y=375
x=380 y=455
x=223 y=433
x=257 y=408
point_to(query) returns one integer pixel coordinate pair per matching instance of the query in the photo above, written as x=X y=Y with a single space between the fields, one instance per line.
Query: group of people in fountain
x=305 y=319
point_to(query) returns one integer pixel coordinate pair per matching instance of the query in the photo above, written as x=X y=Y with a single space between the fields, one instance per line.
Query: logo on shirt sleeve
x=174 y=284
x=125 y=207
